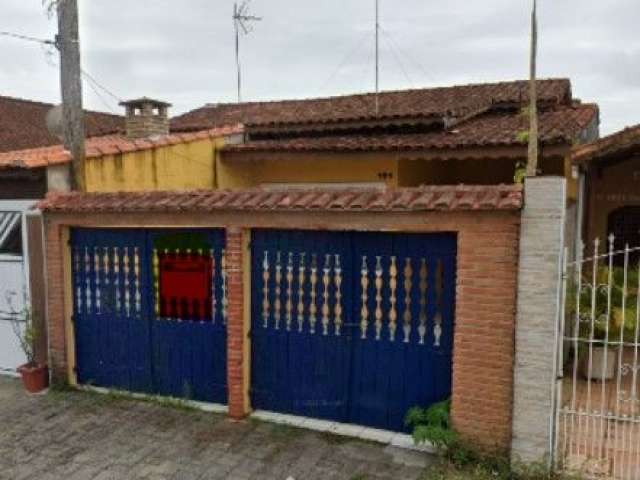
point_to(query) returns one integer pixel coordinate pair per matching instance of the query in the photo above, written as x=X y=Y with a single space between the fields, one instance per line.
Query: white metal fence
x=598 y=413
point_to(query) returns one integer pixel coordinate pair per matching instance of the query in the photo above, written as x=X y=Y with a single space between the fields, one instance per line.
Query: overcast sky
x=182 y=51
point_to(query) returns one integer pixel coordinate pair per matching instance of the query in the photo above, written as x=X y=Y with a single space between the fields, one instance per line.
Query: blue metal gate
x=352 y=327
x=150 y=311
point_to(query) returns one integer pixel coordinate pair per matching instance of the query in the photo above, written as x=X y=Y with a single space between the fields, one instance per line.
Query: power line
x=92 y=79
x=27 y=38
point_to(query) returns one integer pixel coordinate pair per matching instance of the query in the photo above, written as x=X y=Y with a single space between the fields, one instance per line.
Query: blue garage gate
x=150 y=311
x=352 y=327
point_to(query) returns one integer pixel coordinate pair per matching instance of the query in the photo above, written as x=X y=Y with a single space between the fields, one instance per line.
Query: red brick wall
x=55 y=303
x=485 y=299
x=235 y=324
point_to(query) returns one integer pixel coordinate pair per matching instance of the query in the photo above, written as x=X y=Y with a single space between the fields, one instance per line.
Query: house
x=610 y=197
x=329 y=262
x=23 y=126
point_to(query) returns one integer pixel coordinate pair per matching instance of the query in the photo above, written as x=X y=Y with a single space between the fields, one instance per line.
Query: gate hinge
x=73 y=319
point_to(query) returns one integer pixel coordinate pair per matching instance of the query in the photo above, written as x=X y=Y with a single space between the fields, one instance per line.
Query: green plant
x=523 y=136
x=432 y=425
x=25 y=330
x=520 y=173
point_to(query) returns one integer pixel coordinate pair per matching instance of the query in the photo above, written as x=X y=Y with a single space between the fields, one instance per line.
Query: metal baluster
x=301 y=277
x=378 y=284
x=277 y=303
x=265 y=290
x=313 y=309
x=325 y=294
x=364 y=312
x=393 y=285
x=289 y=303
x=422 y=328
x=338 y=283
x=408 y=284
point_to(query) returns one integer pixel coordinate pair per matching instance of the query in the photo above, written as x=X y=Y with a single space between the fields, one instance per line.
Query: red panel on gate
x=185 y=286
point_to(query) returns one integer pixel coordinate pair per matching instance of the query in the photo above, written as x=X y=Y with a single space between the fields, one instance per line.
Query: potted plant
x=35 y=376
x=608 y=316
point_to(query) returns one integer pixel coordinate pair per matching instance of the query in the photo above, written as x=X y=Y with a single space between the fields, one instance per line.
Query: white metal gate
x=598 y=409
x=13 y=283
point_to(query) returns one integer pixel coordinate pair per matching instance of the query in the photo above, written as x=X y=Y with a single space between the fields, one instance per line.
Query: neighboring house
x=610 y=193
x=142 y=155
x=22 y=125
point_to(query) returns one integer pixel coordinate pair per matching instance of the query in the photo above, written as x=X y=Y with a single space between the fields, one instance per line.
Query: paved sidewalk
x=85 y=436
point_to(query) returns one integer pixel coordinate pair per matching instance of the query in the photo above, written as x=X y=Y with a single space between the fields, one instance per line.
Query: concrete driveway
x=87 y=436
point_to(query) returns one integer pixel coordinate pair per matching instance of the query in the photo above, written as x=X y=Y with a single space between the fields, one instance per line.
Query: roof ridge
x=212 y=105
x=11 y=98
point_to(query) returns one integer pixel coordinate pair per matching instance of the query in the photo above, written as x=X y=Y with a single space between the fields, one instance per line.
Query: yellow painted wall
x=308 y=168
x=172 y=167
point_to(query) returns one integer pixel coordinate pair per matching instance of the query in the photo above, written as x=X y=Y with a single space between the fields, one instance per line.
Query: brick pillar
x=55 y=282
x=484 y=332
x=539 y=283
x=237 y=339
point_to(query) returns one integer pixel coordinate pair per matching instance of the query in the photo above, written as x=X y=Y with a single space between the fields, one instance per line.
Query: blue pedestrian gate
x=352 y=327
x=150 y=311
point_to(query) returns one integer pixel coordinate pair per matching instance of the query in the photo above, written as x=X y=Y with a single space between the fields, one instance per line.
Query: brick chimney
x=146 y=117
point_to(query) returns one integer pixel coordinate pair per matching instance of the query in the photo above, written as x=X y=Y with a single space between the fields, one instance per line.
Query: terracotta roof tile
x=457 y=100
x=559 y=124
x=99 y=146
x=22 y=124
x=500 y=197
x=624 y=142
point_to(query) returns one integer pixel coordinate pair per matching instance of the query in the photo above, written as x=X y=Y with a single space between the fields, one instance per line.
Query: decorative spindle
x=96 y=266
x=393 y=285
x=87 y=280
x=364 y=312
x=422 y=328
x=301 y=277
x=127 y=283
x=437 y=321
x=325 y=294
x=265 y=290
x=278 y=304
x=289 y=303
x=378 y=283
x=156 y=278
x=313 y=309
x=136 y=271
x=223 y=275
x=116 y=280
x=214 y=299
x=338 y=283
x=408 y=284
x=76 y=262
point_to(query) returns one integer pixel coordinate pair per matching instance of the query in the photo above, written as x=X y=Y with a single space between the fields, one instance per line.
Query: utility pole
x=532 y=160
x=68 y=43
x=377 y=56
x=241 y=21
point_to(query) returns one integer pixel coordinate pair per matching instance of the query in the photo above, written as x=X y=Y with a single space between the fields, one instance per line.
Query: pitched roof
x=560 y=124
x=456 y=100
x=624 y=142
x=105 y=145
x=22 y=124
x=446 y=198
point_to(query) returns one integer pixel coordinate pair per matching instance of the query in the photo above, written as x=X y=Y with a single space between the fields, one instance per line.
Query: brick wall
x=485 y=309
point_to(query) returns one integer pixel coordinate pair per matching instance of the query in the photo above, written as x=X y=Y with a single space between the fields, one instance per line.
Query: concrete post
x=539 y=285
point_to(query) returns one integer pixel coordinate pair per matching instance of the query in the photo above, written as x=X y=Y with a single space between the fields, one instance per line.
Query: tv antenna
x=242 y=23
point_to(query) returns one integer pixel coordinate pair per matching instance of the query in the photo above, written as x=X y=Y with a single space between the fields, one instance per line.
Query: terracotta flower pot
x=35 y=378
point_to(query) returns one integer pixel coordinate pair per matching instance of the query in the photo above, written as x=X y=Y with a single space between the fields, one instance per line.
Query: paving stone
x=81 y=436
